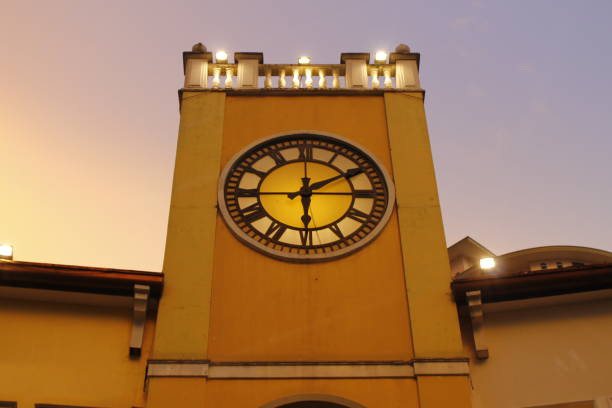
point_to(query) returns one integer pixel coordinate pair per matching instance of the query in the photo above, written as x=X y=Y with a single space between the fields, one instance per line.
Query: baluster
x=308 y=81
x=229 y=72
x=296 y=78
x=335 y=79
x=375 y=81
x=216 y=82
x=268 y=80
x=388 y=83
x=322 y=80
x=282 y=81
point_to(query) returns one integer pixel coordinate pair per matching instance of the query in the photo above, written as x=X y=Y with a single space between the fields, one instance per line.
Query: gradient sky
x=518 y=104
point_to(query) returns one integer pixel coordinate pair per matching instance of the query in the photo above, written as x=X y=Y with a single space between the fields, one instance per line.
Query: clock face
x=305 y=197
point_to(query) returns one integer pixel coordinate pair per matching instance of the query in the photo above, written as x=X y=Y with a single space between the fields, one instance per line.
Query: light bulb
x=6 y=251
x=380 y=57
x=487 y=263
x=221 y=57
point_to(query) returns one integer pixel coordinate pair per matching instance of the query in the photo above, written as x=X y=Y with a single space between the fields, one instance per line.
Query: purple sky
x=518 y=103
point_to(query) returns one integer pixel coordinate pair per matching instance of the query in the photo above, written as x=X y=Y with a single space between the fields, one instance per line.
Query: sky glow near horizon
x=518 y=109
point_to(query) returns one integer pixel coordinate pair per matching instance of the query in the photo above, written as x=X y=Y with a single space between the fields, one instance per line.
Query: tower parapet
x=398 y=71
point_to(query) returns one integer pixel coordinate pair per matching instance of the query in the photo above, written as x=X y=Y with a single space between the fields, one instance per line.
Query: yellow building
x=536 y=324
x=305 y=261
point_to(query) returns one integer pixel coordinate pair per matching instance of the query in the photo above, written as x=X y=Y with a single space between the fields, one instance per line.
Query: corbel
x=474 y=302
x=141 y=301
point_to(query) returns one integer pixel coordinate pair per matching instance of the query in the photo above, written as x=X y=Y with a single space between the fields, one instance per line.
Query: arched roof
x=536 y=272
x=518 y=262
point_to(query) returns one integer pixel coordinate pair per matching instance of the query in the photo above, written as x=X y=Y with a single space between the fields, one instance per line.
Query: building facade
x=305 y=262
x=536 y=325
x=252 y=318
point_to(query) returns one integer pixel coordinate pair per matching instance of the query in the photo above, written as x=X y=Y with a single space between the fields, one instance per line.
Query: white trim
x=441 y=368
x=312 y=371
x=177 y=369
x=305 y=370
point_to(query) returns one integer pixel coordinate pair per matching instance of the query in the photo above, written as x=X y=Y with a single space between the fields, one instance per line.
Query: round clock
x=305 y=197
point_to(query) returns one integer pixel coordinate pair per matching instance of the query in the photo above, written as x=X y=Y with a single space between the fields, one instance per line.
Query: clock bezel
x=296 y=257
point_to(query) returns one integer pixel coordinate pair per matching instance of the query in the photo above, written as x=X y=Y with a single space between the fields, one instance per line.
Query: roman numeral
x=306 y=237
x=364 y=194
x=277 y=229
x=305 y=152
x=253 y=212
x=261 y=174
x=277 y=157
x=332 y=158
x=336 y=230
x=246 y=192
x=358 y=215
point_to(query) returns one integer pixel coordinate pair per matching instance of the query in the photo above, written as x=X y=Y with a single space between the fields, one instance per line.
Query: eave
x=78 y=278
x=528 y=285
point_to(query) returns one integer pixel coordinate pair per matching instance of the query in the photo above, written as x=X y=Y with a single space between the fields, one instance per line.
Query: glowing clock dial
x=305 y=197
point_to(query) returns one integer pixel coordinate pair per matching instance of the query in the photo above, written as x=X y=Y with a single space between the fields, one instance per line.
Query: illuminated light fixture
x=304 y=60
x=6 y=252
x=221 y=57
x=380 y=57
x=487 y=263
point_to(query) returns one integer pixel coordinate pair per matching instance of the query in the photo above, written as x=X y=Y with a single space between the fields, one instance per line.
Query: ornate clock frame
x=240 y=233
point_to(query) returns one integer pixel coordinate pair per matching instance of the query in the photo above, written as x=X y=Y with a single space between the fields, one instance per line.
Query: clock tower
x=305 y=261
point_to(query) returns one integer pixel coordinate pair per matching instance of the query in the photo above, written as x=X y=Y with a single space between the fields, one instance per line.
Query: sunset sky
x=518 y=103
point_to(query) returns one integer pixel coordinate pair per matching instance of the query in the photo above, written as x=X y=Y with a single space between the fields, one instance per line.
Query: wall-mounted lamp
x=487 y=263
x=380 y=57
x=6 y=252
x=221 y=57
x=304 y=60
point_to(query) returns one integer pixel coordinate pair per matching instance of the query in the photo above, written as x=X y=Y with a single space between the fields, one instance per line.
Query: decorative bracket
x=474 y=301
x=141 y=301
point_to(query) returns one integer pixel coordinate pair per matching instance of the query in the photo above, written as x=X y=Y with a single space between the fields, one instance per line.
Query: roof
x=533 y=272
x=469 y=248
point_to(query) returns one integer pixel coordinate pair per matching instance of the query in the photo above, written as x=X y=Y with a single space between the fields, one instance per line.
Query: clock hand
x=305 y=192
x=349 y=173
x=305 y=164
x=288 y=193
x=305 y=205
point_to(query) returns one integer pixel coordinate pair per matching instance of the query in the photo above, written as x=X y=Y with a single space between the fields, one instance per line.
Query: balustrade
x=354 y=72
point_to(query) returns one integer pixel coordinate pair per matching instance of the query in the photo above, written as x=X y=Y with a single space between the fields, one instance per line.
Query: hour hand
x=305 y=190
x=305 y=205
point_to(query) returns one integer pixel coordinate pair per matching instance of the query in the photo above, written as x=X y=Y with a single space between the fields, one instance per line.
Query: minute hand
x=349 y=173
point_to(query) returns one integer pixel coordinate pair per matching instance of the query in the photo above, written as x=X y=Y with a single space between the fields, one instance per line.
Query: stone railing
x=400 y=71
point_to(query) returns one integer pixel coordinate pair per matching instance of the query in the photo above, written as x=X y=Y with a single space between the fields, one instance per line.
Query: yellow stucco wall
x=72 y=354
x=380 y=393
x=183 y=318
x=444 y=392
x=434 y=322
x=349 y=309
x=176 y=392
x=255 y=308
x=197 y=392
